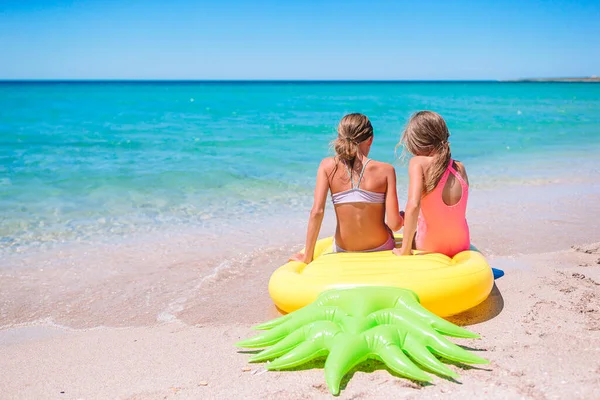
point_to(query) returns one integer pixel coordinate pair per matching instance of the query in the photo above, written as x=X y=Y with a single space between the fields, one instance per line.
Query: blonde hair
x=353 y=129
x=426 y=134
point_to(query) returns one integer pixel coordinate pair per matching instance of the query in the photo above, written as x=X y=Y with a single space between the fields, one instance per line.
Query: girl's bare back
x=366 y=218
x=452 y=191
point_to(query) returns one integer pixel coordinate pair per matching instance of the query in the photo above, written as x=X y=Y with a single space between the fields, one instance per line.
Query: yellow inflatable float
x=445 y=286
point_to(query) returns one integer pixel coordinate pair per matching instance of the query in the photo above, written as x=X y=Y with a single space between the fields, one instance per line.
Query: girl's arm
x=413 y=205
x=392 y=216
x=316 y=216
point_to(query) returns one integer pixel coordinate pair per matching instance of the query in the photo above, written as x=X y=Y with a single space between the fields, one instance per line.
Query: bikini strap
x=362 y=172
x=349 y=171
x=359 y=177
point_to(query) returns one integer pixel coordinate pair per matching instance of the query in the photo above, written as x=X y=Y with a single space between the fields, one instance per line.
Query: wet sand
x=159 y=319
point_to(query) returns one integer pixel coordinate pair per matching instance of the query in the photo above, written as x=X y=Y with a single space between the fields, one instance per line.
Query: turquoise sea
x=85 y=161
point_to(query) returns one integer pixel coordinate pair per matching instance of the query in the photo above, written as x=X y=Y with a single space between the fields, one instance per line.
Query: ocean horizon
x=283 y=81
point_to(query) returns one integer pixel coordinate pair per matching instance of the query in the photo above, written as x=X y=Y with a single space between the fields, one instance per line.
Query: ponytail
x=441 y=159
x=352 y=130
x=346 y=150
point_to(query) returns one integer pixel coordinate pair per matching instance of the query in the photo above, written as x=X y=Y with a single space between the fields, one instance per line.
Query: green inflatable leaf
x=351 y=325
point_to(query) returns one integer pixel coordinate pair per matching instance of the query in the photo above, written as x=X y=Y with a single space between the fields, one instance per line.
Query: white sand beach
x=95 y=325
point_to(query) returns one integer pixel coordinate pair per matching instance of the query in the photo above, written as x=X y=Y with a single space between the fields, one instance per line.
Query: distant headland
x=592 y=78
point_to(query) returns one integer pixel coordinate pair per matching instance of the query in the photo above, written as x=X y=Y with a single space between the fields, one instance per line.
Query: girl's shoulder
x=380 y=166
x=327 y=163
x=421 y=161
x=378 y=163
x=459 y=165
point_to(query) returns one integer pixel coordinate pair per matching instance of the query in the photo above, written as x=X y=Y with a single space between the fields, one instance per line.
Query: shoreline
x=162 y=278
x=143 y=322
x=582 y=179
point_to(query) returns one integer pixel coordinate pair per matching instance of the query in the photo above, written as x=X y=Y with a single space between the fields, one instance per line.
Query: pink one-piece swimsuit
x=442 y=228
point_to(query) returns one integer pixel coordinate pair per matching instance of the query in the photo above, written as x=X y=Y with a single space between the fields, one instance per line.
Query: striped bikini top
x=355 y=194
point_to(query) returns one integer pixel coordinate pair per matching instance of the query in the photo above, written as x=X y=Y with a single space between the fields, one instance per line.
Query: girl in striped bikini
x=363 y=192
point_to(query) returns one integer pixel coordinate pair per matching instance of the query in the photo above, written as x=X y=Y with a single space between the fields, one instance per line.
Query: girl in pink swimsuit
x=438 y=190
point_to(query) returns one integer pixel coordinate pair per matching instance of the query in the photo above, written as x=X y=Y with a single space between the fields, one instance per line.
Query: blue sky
x=302 y=39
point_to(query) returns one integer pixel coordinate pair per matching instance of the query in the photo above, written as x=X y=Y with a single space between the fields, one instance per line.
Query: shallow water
x=104 y=162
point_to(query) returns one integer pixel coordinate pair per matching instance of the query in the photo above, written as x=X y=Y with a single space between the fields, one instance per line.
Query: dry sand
x=109 y=331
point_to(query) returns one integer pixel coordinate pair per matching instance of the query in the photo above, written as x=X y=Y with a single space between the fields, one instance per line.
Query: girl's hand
x=300 y=257
x=297 y=257
x=402 y=251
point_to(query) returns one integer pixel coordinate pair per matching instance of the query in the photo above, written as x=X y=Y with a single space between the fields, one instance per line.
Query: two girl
x=363 y=192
